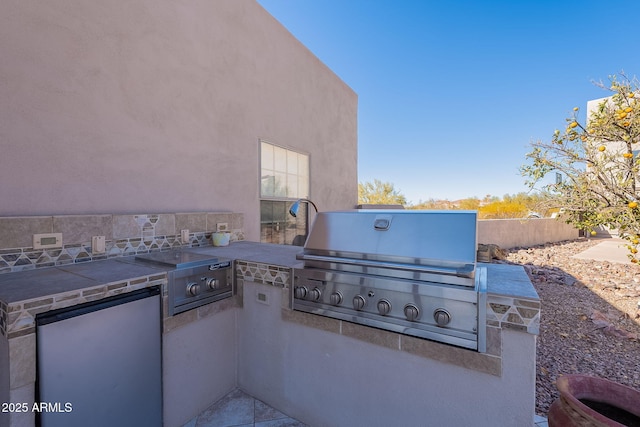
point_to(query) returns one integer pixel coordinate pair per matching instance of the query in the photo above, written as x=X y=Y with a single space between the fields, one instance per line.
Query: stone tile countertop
x=509 y=281
x=30 y=284
x=265 y=253
x=25 y=285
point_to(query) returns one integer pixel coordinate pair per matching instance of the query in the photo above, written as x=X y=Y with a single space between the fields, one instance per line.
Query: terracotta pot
x=616 y=405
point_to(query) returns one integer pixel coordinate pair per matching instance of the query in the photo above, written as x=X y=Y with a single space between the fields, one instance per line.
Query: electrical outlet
x=222 y=226
x=184 y=235
x=47 y=240
x=262 y=298
x=98 y=244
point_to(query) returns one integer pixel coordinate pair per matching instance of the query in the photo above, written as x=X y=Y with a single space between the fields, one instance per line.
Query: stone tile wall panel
x=125 y=235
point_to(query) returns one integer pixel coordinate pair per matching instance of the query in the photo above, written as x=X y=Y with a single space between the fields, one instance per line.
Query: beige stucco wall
x=144 y=106
x=511 y=233
x=304 y=368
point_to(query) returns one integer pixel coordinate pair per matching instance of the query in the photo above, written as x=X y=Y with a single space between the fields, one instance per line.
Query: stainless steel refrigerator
x=100 y=363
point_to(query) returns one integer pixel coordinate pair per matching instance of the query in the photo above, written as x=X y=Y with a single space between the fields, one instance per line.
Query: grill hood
x=399 y=243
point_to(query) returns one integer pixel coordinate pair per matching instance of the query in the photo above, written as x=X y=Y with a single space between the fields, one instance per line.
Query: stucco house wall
x=142 y=106
x=592 y=106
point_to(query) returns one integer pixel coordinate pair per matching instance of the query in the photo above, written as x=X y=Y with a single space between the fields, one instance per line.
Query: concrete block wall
x=511 y=233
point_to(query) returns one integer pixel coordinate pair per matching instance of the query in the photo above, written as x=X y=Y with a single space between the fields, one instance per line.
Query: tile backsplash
x=124 y=235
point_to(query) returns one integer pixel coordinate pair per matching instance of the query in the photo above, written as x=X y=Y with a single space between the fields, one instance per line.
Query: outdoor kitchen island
x=319 y=370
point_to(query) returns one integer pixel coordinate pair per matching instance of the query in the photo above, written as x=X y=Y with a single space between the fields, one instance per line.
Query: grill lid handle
x=382 y=222
x=464 y=270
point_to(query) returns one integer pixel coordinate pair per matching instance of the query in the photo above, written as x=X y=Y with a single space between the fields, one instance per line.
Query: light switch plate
x=222 y=226
x=184 y=236
x=47 y=240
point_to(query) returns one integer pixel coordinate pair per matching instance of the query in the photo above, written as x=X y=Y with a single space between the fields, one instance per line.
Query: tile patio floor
x=540 y=421
x=238 y=409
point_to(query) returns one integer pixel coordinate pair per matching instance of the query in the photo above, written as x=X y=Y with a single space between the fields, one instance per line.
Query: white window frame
x=289 y=172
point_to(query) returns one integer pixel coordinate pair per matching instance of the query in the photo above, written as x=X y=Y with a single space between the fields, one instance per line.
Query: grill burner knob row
x=300 y=292
x=384 y=307
x=315 y=294
x=359 y=302
x=441 y=316
x=411 y=312
x=335 y=298
x=193 y=289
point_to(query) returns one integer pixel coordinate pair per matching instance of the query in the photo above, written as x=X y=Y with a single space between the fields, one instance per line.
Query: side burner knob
x=359 y=302
x=384 y=307
x=441 y=316
x=315 y=294
x=300 y=292
x=193 y=289
x=411 y=312
x=335 y=298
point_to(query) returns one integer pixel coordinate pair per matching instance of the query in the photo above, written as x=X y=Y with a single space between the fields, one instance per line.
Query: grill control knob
x=411 y=312
x=300 y=292
x=335 y=298
x=441 y=316
x=359 y=302
x=213 y=284
x=384 y=307
x=315 y=294
x=193 y=289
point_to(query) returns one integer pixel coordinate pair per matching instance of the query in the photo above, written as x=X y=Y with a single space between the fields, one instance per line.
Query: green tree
x=470 y=204
x=433 y=204
x=502 y=209
x=379 y=193
x=598 y=162
x=429 y=204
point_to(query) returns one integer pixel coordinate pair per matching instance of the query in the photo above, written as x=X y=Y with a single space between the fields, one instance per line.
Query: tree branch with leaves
x=598 y=160
x=379 y=193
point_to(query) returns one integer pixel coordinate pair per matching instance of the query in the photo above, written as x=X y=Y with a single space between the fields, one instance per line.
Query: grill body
x=411 y=272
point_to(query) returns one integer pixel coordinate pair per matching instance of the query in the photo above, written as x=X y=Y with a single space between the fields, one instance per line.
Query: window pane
x=266 y=221
x=280 y=213
x=303 y=165
x=303 y=187
x=279 y=159
x=266 y=211
x=267 y=183
x=292 y=162
x=292 y=187
x=266 y=156
x=277 y=226
x=280 y=185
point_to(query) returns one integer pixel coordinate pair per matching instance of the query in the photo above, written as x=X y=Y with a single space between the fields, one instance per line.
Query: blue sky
x=451 y=93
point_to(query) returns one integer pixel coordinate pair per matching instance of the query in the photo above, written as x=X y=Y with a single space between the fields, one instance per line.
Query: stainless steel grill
x=412 y=272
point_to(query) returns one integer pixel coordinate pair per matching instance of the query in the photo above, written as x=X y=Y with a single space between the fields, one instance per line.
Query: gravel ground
x=590 y=322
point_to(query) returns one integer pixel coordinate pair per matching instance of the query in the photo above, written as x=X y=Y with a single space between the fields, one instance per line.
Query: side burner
x=195 y=279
